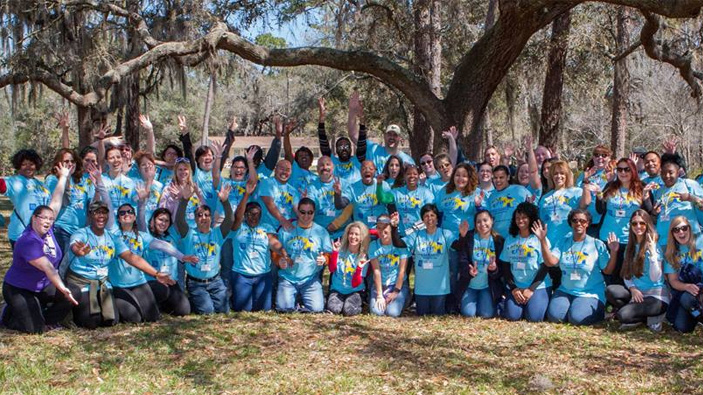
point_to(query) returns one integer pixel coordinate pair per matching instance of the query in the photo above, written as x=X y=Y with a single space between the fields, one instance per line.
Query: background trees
x=487 y=66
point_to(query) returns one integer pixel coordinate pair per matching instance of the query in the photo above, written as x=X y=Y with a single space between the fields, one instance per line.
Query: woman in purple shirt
x=33 y=281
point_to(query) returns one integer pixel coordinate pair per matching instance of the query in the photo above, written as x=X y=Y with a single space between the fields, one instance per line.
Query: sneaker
x=627 y=327
x=656 y=327
x=53 y=327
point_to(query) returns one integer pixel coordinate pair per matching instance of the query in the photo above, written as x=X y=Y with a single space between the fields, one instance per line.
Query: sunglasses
x=306 y=212
x=182 y=160
x=600 y=155
x=580 y=221
x=425 y=163
x=623 y=169
x=203 y=215
x=638 y=223
x=680 y=229
x=122 y=213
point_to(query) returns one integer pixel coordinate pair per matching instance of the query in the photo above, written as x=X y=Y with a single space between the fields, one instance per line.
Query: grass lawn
x=324 y=354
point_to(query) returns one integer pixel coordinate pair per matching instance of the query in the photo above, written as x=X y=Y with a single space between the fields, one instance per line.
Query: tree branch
x=656 y=49
x=632 y=48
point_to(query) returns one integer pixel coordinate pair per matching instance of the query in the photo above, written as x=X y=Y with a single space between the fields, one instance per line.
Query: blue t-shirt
x=657 y=179
x=121 y=189
x=301 y=178
x=535 y=192
x=152 y=202
x=162 y=261
x=388 y=257
x=582 y=265
x=121 y=273
x=644 y=283
x=341 y=279
x=408 y=203
x=366 y=205
x=347 y=172
x=672 y=206
x=163 y=175
x=600 y=178
x=501 y=204
x=554 y=209
x=303 y=246
x=618 y=210
x=456 y=208
x=238 y=191
x=436 y=184
x=103 y=250
x=687 y=257
x=378 y=154
x=322 y=193
x=26 y=194
x=73 y=215
x=285 y=198
x=431 y=259
x=525 y=258
x=484 y=252
x=251 y=249
x=207 y=247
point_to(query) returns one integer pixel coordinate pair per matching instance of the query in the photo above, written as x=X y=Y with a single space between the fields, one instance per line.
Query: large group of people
x=113 y=235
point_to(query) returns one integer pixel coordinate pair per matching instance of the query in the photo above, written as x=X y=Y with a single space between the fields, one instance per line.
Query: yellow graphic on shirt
x=458 y=203
x=208 y=248
x=436 y=247
x=526 y=250
x=345 y=166
x=108 y=251
x=414 y=202
x=393 y=260
x=135 y=245
x=287 y=197
x=486 y=252
x=369 y=198
x=307 y=244
x=671 y=197
x=79 y=188
x=193 y=201
x=580 y=257
x=506 y=201
x=240 y=190
x=349 y=267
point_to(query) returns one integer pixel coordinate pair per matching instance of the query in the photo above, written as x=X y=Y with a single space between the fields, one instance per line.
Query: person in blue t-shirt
x=305 y=251
x=504 y=199
x=684 y=253
x=391 y=146
x=580 y=299
x=445 y=168
x=393 y=171
x=480 y=286
x=644 y=296
x=25 y=191
x=652 y=168
x=322 y=191
x=522 y=265
x=361 y=198
x=561 y=197
x=348 y=267
x=598 y=172
x=429 y=248
x=251 y=276
x=280 y=198
x=407 y=199
x=206 y=290
x=300 y=176
x=390 y=288
x=528 y=173
x=121 y=188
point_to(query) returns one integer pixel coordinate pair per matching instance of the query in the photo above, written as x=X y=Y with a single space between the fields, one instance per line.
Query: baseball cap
x=394 y=129
x=97 y=205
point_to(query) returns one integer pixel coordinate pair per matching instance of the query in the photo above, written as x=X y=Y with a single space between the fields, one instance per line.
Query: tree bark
x=550 y=132
x=131 y=119
x=428 y=64
x=208 y=108
x=621 y=85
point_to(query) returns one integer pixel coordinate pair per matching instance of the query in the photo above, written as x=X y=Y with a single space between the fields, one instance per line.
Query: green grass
x=324 y=354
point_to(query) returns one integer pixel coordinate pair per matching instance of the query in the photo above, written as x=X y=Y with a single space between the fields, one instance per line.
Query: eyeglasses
x=182 y=160
x=638 y=223
x=445 y=165
x=306 y=212
x=680 y=229
x=122 y=213
x=43 y=218
x=203 y=215
x=623 y=169
x=580 y=221
x=425 y=163
x=600 y=155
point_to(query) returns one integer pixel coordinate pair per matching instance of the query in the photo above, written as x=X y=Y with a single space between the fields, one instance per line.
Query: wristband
x=396 y=290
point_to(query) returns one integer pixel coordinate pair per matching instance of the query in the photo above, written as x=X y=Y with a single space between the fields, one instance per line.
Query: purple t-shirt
x=28 y=247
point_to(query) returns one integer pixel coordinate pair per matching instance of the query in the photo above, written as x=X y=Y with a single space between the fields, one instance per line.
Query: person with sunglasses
x=251 y=275
x=429 y=172
x=149 y=190
x=445 y=168
x=280 y=197
x=305 y=250
x=684 y=254
x=598 y=172
x=528 y=172
x=36 y=297
x=171 y=193
x=390 y=289
x=580 y=299
x=619 y=200
x=323 y=191
x=206 y=290
x=121 y=188
x=407 y=199
x=346 y=167
x=348 y=265
x=644 y=296
x=677 y=197
x=134 y=298
x=561 y=197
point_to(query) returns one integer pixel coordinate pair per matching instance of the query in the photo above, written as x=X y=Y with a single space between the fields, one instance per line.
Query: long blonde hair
x=364 y=235
x=672 y=246
x=563 y=166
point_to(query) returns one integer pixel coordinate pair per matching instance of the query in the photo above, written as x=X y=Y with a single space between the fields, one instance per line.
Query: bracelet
x=396 y=290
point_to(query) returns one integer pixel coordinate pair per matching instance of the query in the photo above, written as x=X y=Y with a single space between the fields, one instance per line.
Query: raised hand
x=463 y=228
x=186 y=190
x=217 y=149
x=323 y=109
x=354 y=103
x=473 y=269
x=62 y=120
x=142 y=193
x=251 y=152
x=613 y=243
x=395 y=219
x=94 y=172
x=290 y=126
x=478 y=199
x=509 y=150
x=233 y=124
x=335 y=245
x=337 y=186
x=539 y=229
x=182 y=125
x=64 y=171
x=102 y=131
x=251 y=186
x=634 y=158
x=145 y=122
x=278 y=125
x=224 y=192
x=669 y=145
x=80 y=248
x=527 y=141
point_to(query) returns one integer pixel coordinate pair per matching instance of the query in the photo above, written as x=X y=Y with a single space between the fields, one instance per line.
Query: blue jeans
x=394 y=308
x=533 y=311
x=251 y=293
x=310 y=292
x=478 y=302
x=684 y=321
x=576 y=310
x=208 y=298
x=226 y=261
x=63 y=238
x=430 y=304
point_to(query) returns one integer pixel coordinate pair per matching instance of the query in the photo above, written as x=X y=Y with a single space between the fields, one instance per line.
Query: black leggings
x=170 y=298
x=136 y=304
x=630 y=313
x=29 y=311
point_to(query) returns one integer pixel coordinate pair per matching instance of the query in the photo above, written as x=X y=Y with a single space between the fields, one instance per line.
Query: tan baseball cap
x=393 y=128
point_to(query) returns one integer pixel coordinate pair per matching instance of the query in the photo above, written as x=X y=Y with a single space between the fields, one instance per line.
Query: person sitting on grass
x=348 y=266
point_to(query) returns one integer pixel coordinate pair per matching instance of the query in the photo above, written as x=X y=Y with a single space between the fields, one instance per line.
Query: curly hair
x=27 y=154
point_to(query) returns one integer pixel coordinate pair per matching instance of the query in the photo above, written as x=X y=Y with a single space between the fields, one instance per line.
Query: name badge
x=164 y=269
x=330 y=213
x=371 y=219
x=206 y=267
x=575 y=276
x=554 y=217
x=102 y=271
x=664 y=217
x=299 y=259
x=520 y=265
x=620 y=213
x=427 y=265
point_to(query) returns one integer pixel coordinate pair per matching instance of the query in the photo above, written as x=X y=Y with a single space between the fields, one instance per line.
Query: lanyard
x=203 y=251
x=100 y=252
x=580 y=252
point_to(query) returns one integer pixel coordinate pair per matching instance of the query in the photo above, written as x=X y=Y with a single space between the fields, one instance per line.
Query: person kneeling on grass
x=580 y=299
x=305 y=250
x=206 y=290
x=348 y=267
x=645 y=296
x=389 y=289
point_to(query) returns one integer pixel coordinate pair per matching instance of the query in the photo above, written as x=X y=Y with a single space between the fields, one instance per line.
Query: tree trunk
x=131 y=118
x=511 y=93
x=621 y=85
x=428 y=64
x=208 y=108
x=550 y=132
